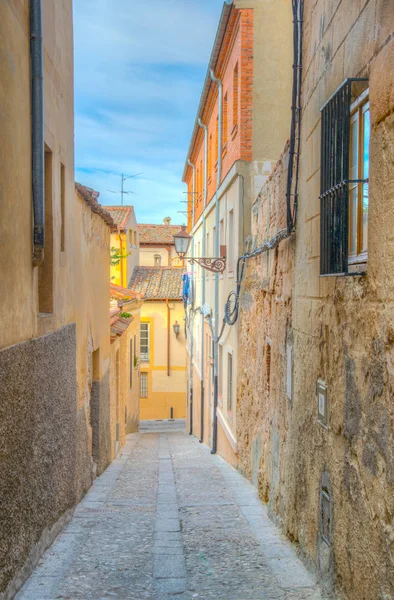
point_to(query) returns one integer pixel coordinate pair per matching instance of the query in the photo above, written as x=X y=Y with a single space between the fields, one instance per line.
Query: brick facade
x=237 y=51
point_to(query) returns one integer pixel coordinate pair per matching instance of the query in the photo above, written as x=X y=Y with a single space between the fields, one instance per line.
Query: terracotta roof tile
x=120 y=293
x=120 y=214
x=157 y=234
x=157 y=283
x=119 y=326
x=90 y=196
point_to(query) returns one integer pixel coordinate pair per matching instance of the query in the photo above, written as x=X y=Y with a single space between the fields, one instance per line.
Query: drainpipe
x=204 y=250
x=216 y=330
x=193 y=187
x=37 y=133
x=192 y=321
x=168 y=338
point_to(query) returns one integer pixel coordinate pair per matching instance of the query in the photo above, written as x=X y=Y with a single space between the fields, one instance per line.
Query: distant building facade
x=125 y=337
x=162 y=356
x=239 y=131
x=125 y=240
x=157 y=248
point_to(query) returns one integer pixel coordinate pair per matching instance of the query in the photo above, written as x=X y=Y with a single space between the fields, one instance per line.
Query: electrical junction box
x=322 y=404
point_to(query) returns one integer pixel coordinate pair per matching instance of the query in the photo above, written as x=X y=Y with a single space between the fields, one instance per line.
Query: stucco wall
x=127 y=243
x=164 y=391
x=15 y=156
x=234 y=197
x=52 y=433
x=124 y=410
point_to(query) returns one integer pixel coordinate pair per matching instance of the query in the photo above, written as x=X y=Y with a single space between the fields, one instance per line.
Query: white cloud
x=139 y=68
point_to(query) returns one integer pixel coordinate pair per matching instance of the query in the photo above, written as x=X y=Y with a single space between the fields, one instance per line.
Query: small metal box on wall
x=322 y=403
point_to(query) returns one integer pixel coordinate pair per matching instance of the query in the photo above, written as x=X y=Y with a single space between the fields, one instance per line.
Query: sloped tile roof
x=119 y=326
x=157 y=283
x=157 y=234
x=90 y=196
x=120 y=214
x=120 y=293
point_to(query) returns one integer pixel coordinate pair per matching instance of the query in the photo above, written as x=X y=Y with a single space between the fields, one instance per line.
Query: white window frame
x=144 y=356
x=144 y=389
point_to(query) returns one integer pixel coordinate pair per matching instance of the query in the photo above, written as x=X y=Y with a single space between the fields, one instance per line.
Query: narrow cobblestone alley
x=168 y=520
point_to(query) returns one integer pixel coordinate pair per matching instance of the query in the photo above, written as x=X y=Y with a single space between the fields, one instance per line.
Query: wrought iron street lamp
x=182 y=243
x=177 y=328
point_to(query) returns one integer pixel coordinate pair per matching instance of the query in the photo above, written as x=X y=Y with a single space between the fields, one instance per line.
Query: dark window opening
x=63 y=207
x=45 y=271
x=339 y=178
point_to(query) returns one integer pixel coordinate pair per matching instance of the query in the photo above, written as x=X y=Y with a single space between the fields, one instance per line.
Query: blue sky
x=139 y=71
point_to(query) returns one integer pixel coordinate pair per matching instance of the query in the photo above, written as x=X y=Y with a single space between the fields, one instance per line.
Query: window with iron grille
x=144 y=342
x=344 y=180
x=143 y=385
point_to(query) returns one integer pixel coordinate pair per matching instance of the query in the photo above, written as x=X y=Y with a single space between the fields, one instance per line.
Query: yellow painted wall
x=124 y=414
x=125 y=242
x=119 y=273
x=164 y=391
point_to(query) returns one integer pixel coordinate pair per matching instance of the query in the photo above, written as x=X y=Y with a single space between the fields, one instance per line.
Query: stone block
x=360 y=43
x=170 y=525
x=384 y=23
x=381 y=85
x=174 y=585
x=170 y=566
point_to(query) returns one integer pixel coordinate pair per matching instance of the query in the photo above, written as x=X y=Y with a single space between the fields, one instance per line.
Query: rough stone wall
x=264 y=412
x=343 y=326
x=38 y=444
x=340 y=329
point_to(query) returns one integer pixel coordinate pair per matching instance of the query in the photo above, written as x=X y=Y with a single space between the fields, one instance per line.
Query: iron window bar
x=334 y=178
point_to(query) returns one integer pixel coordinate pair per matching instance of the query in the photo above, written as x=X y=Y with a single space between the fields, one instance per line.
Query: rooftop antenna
x=122 y=190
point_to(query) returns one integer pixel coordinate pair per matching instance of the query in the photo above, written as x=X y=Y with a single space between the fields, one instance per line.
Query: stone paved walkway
x=169 y=521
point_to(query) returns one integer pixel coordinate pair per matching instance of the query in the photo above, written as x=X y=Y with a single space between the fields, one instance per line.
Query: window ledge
x=358 y=273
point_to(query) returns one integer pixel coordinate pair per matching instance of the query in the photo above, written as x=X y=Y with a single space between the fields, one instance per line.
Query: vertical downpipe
x=168 y=339
x=37 y=130
x=192 y=320
x=204 y=250
x=216 y=331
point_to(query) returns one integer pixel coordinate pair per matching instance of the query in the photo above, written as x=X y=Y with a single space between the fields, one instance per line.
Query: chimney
x=167 y=221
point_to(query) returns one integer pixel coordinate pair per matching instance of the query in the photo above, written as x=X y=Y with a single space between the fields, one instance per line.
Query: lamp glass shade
x=182 y=242
x=177 y=328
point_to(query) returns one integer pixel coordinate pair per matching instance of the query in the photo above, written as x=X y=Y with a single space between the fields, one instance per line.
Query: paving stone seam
x=169 y=567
